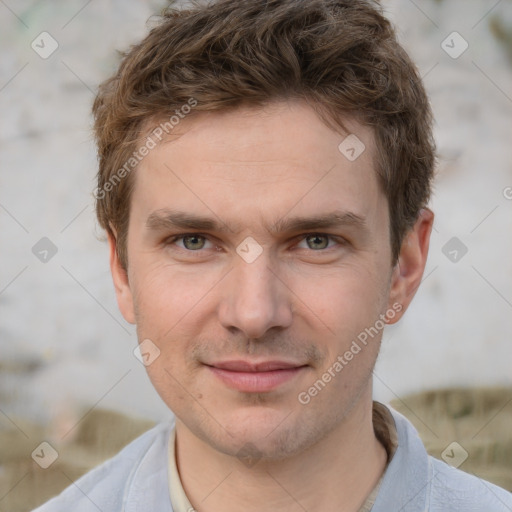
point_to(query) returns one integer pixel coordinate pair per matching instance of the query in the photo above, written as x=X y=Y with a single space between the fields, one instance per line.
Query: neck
x=337 y=473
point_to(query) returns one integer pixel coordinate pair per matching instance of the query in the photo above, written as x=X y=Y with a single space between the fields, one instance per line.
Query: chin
x=276 y=445
x=262 y=432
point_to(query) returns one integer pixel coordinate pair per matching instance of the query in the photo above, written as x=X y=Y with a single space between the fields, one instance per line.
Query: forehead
x=260 y=163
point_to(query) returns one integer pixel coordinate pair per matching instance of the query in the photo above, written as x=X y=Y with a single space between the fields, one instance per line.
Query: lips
x=255 y=377
x=245 y=366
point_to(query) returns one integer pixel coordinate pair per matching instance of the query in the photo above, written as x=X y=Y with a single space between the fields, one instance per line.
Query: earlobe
x=408 y=271
x=121 y=283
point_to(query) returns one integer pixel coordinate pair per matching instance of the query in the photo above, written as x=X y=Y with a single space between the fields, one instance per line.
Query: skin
x=303 y=300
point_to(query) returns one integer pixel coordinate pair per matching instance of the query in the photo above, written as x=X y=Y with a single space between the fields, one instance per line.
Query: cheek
x=345 y=300
x=172 y=308
x=168 y=306
x=164 y=296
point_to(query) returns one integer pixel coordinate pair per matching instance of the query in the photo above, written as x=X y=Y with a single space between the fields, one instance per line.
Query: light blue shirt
x=136 y=480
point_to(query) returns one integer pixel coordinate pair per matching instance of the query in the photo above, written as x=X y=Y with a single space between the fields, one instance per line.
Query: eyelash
x=174 y=239
x=330 y=238
x=339 y=241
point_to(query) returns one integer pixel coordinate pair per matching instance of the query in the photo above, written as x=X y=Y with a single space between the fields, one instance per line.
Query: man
x=265 y=168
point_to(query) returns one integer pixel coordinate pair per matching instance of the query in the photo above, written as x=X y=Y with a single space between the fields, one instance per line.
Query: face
x=258 y=254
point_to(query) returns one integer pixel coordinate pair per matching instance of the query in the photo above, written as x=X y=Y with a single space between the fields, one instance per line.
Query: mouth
x=255 y=377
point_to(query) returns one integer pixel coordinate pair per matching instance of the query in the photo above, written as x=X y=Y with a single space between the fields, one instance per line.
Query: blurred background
x=67 y=366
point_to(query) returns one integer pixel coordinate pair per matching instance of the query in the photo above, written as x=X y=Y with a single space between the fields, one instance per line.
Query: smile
x=255 y=377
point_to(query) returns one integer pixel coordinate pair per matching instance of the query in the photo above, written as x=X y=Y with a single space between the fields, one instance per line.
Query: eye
x=192 y=242
x=316 y=242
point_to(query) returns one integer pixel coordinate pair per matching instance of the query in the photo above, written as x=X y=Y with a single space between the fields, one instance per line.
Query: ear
x=408 y=271
x=121 y=283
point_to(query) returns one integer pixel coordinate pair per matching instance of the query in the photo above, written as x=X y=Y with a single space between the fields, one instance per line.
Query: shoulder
x=454 y=490
x=106 y=486
x=415 y=481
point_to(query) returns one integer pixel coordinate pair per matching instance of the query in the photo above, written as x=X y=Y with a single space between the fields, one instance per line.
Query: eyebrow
x=327 y=220
x=163 y=219
x=170 y=219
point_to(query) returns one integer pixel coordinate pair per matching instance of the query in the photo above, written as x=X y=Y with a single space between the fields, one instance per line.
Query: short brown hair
x=341 y=56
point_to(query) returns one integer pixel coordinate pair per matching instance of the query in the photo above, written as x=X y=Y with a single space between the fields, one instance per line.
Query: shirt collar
x=406 y=480
x=389 y=427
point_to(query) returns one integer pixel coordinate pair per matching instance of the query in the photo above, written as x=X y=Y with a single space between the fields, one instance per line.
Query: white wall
x=63 y=344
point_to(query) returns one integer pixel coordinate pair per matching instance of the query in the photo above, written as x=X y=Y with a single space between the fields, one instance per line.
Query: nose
x=255 y=299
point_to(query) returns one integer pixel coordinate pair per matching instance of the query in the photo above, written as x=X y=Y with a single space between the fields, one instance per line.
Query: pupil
x=193 y=242
x=317 y=242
